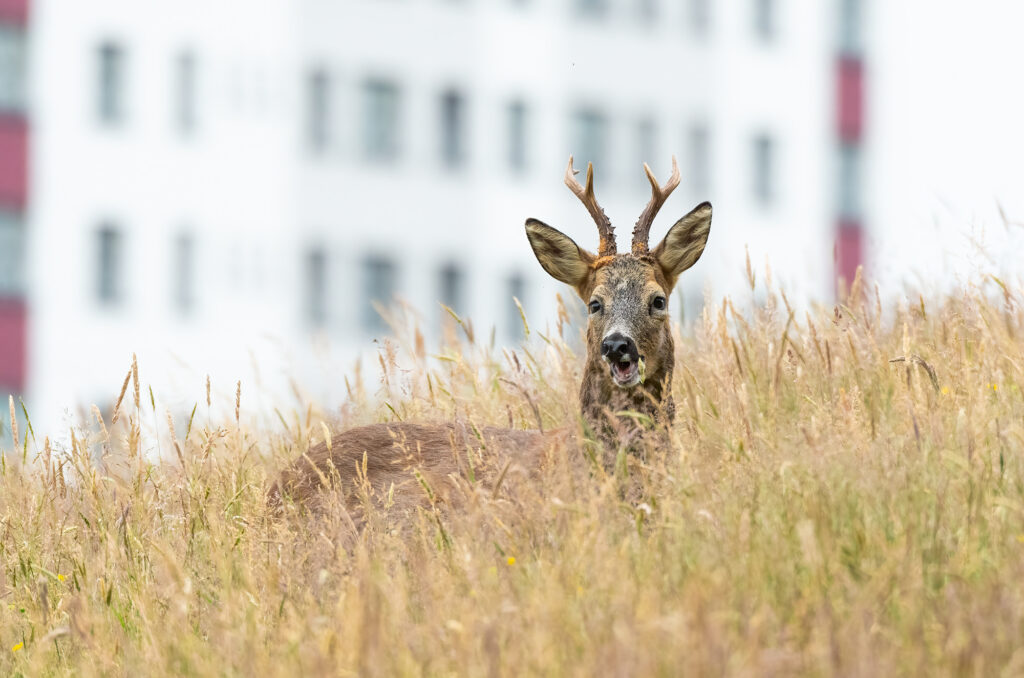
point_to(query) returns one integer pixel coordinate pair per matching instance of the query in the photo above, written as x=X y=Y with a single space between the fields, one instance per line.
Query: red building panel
x=849 y=250
x=850 y=98
x=13 y=344
x=13 y=161
x=14 y=11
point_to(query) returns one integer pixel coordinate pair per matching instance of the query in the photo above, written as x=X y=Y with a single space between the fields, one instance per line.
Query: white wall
x=945 y=125
x=226 y=183
x=257 y=200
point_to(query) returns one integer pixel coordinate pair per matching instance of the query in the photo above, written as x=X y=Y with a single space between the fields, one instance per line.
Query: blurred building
x=231 y=191
x=230 y=187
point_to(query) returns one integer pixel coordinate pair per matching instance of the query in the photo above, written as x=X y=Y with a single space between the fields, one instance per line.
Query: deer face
x=628 y=324
x=628 y=332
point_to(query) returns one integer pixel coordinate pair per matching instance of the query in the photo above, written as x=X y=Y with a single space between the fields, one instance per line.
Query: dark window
x=316 y=287
x=850 y=26
x=12 y=68
x=700 y=16
x=516 y=289
x=381 y=120
x=185 y=85
x=517 y=133
x=111 y=100
x=453 y=124
x=647 y=9
x=109 y=264
x=452 y=280
x=184 y=273
x=700 y=161
x=12 y=255
x=690 y=302
x=379 y=290
x=764 y=169
x=646 y=145
x=318 y=94
x=592 y=7
x=589 y=138
x=850 y=199
x=765 y=19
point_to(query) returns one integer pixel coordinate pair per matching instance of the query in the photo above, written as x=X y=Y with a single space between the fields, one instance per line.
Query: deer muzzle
x=623 y=358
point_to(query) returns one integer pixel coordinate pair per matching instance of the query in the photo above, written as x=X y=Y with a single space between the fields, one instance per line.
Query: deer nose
x=617 y=346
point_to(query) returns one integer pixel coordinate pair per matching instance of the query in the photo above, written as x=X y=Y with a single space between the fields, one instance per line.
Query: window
x=453 y=123
x=111 y=101
x=690 y=302
x=700 y=16
x=516 y=121
x=764 y=169
x=516 y=289
x=850 y=199
x=850 y=26
x=647 y=9
x=646 y=133
x=318 y=111
x=452 y=281
x=764 y=19
x=381 y=121
x=316 y=287
x=379 y=290
x=589 y=138
x=185 y=92
x=592 y=7
x=184 y=249
x=12 y=69
x=109 y=262
x=12 y=255
x=699 y=162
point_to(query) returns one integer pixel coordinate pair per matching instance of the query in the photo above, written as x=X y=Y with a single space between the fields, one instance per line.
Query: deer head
x=630 y=353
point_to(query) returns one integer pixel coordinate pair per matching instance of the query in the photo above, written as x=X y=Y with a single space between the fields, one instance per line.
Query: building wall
x=15 y=137
x=945 y=169
x=228 y=182
x=258 y=198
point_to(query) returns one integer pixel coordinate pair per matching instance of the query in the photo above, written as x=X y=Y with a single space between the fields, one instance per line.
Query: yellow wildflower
x=17 y=647
x=60 y=577
x=511 y=560
x=945 y=390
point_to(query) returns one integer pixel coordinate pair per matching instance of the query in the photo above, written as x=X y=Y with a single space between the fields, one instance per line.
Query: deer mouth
x=625 y=372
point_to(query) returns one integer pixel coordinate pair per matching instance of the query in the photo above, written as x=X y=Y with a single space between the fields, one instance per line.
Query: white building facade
x=226 y=187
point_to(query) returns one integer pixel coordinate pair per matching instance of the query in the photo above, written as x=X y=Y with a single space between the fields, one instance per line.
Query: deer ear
x=684 y=243
x=562 y=258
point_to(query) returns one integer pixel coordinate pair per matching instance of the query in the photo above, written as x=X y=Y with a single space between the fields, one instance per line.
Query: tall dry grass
x=824 y=510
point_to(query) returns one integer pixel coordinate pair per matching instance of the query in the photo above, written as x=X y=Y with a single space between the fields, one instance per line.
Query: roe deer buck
x=628 y=371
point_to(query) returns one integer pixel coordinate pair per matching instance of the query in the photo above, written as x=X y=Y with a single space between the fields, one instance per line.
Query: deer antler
x=605 y=229
x=659 y=194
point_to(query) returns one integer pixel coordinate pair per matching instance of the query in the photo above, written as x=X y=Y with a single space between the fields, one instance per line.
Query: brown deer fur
x=406 y=465
x=626 y=388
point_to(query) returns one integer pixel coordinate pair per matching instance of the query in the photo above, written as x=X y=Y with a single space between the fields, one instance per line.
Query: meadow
x=844 y=495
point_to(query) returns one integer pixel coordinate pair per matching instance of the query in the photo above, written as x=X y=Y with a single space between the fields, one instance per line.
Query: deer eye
x=659 y=303
x=595 y=306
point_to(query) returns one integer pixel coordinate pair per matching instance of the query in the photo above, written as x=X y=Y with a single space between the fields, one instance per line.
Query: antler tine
x=659 y=194
x=605 y=230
